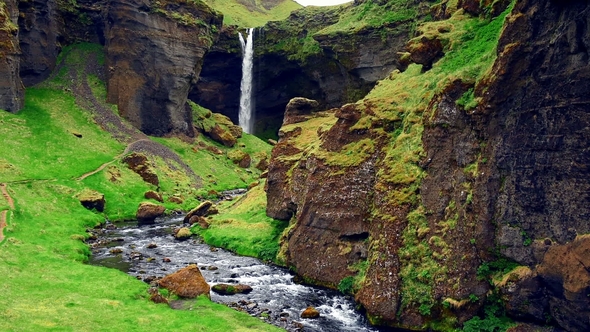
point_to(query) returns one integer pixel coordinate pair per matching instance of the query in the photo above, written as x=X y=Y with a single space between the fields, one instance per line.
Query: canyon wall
x=490 y=205
x=11 y=87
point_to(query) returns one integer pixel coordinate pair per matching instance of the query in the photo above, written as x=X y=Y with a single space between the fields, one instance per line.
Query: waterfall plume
x=246 y=117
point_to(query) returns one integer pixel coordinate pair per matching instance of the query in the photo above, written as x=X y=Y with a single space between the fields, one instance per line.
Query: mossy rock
x=91 y=199
x=183 y=234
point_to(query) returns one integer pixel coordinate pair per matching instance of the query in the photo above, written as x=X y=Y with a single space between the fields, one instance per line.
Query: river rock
x=187 y=282
x=199 y=211
x=147 y=212
x=310 y=312
x=227 y=289
x=183 y=233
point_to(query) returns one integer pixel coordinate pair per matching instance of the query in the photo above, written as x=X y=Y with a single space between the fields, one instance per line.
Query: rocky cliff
x=11 y=87
x=456 y=185
x=155 y=51
x=314 y=53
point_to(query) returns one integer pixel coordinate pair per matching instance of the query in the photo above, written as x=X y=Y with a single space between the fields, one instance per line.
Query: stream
x=149 y=252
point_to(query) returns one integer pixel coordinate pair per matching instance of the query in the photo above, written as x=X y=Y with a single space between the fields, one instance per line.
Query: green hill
x=253 y=13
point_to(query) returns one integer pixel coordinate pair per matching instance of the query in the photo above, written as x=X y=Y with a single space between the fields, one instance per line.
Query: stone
x=262 y=165
x=199 y=211
x=175 y=199
x=298 y=109
x=147 y=212
x=227 y=289
x=140 y=164
x=12 y=94
x=187 y=282
x=91 y=199
x=183 y=233
x=222 y=135
x=150 y=194
x=310 y=312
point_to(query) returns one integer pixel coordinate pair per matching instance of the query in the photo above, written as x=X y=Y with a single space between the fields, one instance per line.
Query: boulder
x=240 y=158
x=310 y=312
x=227 y=289
x=153 y=195
x=199 y=211
x=262 y=165
x=91 y=199
x=187 y=282
x=147 y=212
x=175 y=199
x=222 y=135
x=183 y=233
x=140 y=164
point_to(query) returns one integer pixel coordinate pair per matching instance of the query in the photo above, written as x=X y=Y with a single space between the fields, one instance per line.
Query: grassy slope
x=45 y=285
x=254 y=15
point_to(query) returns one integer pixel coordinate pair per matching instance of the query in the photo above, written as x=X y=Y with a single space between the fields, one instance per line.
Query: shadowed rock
x=227 y=289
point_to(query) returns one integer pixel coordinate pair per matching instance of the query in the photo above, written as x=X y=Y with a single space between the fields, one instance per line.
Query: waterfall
x=245 y=116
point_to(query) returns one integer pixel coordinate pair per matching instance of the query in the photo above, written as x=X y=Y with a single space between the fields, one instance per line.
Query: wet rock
x=310 y=312
x=199 y=211
x=166 y=260
x=152 y=245
x=212 y=268
x=115 y=251
x=183 y=233
x=227 y=289
x=187 y=282
x=148 y=212
x=153 y=195
x=136 y=255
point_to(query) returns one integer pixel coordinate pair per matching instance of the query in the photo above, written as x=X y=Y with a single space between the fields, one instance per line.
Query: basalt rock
x=154 y=54
x=11 y=87
x=227 y=289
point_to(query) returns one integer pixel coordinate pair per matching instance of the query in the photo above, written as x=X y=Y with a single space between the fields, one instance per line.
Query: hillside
x=253 y=13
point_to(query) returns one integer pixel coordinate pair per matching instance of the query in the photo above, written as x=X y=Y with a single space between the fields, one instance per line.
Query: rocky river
x=150 y=252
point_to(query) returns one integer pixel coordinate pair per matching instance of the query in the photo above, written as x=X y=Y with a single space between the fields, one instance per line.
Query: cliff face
x=305 y=55
x=154 y=52
x=440 y=197
x=153 y=57
x=11 y=87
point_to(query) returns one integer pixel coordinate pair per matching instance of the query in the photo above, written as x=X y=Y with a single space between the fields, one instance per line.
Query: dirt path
x=101 y=167
x=4 y=214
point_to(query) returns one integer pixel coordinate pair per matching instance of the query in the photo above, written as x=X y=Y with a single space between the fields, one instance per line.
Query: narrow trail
x=4 y=214
x=101 y=167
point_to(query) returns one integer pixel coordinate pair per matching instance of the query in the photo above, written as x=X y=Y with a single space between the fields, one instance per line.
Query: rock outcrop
x=11 y=87
x=154 y=54
x=488 y=187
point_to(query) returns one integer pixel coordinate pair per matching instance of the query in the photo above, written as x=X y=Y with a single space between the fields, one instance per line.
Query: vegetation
x=243 y=227
x=253 y=14
x=46 y=285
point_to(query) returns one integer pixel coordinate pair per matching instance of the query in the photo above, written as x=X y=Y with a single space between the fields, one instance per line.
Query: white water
x=245 y=116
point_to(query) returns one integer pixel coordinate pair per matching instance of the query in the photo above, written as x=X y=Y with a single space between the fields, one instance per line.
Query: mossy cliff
x=11 y=88
x=422 y=198
x=334 y=55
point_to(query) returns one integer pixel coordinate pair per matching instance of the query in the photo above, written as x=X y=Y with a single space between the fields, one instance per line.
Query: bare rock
x=147 y=212
x=187 y=282
x=310 y=312
x=140 y=164
x=227 y=289
x=298 y=109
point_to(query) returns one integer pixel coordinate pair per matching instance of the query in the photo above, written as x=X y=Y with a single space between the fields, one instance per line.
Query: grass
x=243 y=227
x=45 y=283
x=254 y=15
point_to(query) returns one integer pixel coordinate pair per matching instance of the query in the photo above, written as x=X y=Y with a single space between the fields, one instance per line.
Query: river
x=144 y=250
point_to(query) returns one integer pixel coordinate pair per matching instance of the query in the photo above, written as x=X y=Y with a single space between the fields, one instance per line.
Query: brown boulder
x=183 y=233
x=175 y=199
x=310 y=312
x=147 y=212
x=139 y=163
x=222 y=135
x=240 y=158
x=187 y=282
x=92 y=200
x=199 y=211
x=425 y=51
x=153 y=195
x=227 y=289
x=262 y=165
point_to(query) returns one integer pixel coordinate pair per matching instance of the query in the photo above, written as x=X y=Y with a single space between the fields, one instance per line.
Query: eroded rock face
x=11 y=88
x=40 y=27
x=153 y=57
